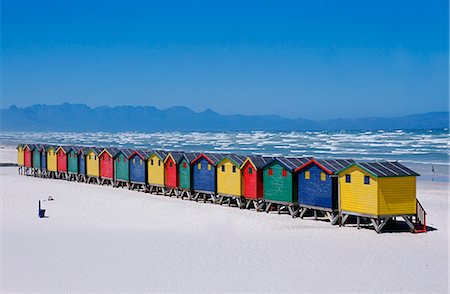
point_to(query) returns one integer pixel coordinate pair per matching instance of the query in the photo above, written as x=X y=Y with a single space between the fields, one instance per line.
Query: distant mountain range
x=82 y=118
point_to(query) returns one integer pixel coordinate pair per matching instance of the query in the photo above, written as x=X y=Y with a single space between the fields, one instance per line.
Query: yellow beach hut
x=229 y=179
x=380 y=192
x=51 y=161
x=93 y=165
x=155 y=169
x=20 y=157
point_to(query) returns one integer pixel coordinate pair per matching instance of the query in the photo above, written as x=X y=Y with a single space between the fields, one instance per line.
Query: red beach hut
x=252 y=175
x=171 y=177
x=61 y=160
x=107 y=157
x=27 y=156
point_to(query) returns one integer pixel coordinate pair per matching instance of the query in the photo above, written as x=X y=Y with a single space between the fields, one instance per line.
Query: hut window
x=223 y=168
x=184 y=164
x=209 y=166
x=151 y=161
x=307 y=175
x=234 y=169
x=250 y=170
x=270 y=171
x=95 y=157
x=284 y=173
x=323 y=177
x=367 y=180
x=90 y=157
x=109 y=158
x=159 y=162
x=140 y=161
x=171 y=164
x=348 y=178
x=199 y=165
x=124 y=159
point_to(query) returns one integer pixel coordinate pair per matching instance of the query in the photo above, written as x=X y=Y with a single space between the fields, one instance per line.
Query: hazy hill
x=79 y=117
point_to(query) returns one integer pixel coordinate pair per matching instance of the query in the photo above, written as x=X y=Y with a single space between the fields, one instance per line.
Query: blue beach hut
x=204 y=176
x=318 y=186
x=138 y=169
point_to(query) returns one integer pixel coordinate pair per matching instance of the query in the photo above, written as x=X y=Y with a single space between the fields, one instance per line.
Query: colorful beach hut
x=204 y=176
x=52 y=162
x=93 y=165
x=122 y=168
x=229 y=179
x=27 y=159
x=81 y=154
x=138 y=169
x=106 y=158
x=36 y=156
x=155 y=171
x=171 y=172
x=184 y=172
x=280 y=187
x=380 y=192
x=43 y=153
x=318 y=190
x=72 y=163
x=20 y=158
x=252 y=177
x=61 y=156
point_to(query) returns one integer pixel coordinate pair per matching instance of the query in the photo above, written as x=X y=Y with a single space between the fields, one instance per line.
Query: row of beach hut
x=374 y=193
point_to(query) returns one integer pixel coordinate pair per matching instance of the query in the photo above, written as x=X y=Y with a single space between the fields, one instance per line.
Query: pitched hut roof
x=212 y=158
x=290 y=163
x=330 y=166
x=383 y=169
x=258 y=161
x=237 y=160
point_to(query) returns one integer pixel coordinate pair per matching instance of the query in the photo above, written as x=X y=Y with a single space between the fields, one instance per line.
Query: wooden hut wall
x=170 y=172
x=20 y=157
x=106 y=165
x=138 y=169
x=72 y=162
x=355 y=196
x=36 y=157
x=27 y=156
x=229 y=181
x=317 y=188
x=61 y=160
x=279 y=185
x=51 y=159
x=43 y=152
x=122 y=171
x=252 y=181
x=92 y=164
x=184 y=173
x=204 y=175
x=155 y=167
x=81 y=162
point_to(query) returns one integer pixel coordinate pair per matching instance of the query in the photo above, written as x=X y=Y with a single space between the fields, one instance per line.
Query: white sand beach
x=106 y=239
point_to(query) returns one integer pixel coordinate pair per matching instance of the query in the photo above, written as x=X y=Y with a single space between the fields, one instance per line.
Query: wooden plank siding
x=36 y=157
x=229 y=179
x=92 y=164
x=277 y=187
x=155 y=167
x=51 y=159
x=356 y=196
x=184 y=172
x=72 y=162
x=20 y=158
x=396 y=196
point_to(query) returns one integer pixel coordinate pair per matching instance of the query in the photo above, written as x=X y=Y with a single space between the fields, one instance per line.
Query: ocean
x=426 y=151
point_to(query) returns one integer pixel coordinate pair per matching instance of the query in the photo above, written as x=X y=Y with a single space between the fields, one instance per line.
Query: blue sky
x=312 y=59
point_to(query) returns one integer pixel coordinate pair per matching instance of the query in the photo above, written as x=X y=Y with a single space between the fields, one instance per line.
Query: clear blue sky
x=314 y=59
